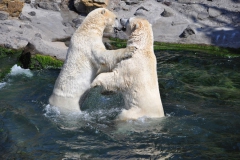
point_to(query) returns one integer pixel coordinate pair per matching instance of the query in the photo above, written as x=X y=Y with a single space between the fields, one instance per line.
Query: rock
x=131 y=2
x=96 y=3
x=67 y=4
x=28 y=1
x=49 y=6
x=167 y=3
x=13 y=7
x=116 y=9
x=67 y=24
x=142 y=8
x=214 y=12
x=79 y=6
x=54 y=49
x=190 y=1
x=25 y=57
x=8 y=45
x=26 y=26
x=77 y=22
x=236 y=18
x=32 y=13
x=69 y=30
x=166 y=13
x=24 y=18
x=4 y=29
x=203 y=15
x=3 y=15
x=38 y=35
x=141 y=11
x=126 y=8
x=187 y=32
x=86 y=6
x=114 y=5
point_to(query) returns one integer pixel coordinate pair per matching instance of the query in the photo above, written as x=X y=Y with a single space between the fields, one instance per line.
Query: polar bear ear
x=135 y=26
x=103 y=11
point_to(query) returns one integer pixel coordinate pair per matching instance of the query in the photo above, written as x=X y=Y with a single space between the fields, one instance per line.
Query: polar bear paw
x=96 y=83
x=129 y=52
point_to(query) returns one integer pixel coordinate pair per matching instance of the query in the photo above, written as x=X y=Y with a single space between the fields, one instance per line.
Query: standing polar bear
x=136 y=78
x=86 y=55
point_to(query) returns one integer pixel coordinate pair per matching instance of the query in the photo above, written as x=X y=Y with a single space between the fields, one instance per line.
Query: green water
x=201 y=99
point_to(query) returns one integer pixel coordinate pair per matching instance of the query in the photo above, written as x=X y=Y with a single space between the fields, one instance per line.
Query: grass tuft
x=44 y=62
x=161 y=46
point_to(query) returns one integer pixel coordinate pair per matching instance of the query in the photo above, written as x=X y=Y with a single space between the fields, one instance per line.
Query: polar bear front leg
x=109 y=58
x=128 y=52
x=107 y=81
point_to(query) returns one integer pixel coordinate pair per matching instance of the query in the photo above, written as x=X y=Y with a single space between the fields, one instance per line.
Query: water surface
x=200 y=95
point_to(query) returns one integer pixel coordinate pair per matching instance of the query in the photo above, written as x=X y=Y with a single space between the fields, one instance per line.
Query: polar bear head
x=139 y=31
x=111 y=21
x=101 y=19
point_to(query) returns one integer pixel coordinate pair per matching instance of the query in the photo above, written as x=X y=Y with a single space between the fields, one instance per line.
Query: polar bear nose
x=123 y=21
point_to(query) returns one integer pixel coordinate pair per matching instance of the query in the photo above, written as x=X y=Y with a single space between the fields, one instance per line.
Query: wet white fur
x=136 y=78
x=86 y=54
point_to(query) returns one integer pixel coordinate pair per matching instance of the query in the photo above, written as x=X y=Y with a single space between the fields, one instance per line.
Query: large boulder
x=48 y=4
x=96 y=3
x=13 y=7
x=3 y=15
x=86 y=6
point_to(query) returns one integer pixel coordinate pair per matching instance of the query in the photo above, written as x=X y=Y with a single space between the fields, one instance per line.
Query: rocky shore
x=44 y=25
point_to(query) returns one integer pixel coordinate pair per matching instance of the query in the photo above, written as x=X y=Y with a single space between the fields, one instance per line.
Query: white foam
x=51 y=111
x=2 y=84
x=17 y=70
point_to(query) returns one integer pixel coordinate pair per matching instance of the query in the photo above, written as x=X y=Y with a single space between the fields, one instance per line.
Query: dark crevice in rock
x=187 y=32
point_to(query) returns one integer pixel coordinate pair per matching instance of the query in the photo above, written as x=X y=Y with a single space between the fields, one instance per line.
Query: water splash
x=2 y=84
x=17 y=70
x=51 y=111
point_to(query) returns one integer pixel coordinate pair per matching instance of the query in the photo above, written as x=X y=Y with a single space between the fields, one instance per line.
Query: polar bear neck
x=92 y=26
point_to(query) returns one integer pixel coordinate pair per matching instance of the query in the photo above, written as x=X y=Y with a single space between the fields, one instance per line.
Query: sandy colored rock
x=96 y=3
x=86 y=6
x=13 y=7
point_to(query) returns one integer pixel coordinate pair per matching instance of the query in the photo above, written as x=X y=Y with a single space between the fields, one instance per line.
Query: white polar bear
x=136 y=78
x=86 y=55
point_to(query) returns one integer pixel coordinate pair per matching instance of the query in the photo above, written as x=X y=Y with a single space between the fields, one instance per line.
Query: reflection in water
x=200 y=95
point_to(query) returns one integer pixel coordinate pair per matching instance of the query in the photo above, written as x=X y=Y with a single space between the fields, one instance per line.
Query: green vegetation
x=43 y=62
x=4 y=72
x=219 y=51
x=4 y=52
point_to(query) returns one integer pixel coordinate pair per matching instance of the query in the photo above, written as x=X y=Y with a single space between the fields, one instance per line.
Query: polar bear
x=136 y=78
x=85 y=56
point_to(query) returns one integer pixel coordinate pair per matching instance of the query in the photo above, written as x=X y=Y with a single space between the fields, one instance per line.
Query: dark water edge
x=200 y=95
